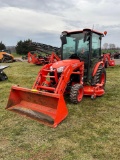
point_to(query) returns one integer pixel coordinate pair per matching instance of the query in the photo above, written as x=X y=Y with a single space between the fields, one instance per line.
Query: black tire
x=100 y=76
x=76 y=93
x=106 y=64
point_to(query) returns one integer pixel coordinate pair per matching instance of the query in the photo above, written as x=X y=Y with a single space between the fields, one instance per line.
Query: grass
x=90 y=132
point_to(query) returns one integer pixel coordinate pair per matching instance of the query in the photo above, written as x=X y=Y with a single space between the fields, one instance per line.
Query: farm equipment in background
x=3 y=76
x=117 y=55
x=79 y=72
x=6 y=56
x=34 y=58
x=44 y=48
x=39 y=59
x=107 y=59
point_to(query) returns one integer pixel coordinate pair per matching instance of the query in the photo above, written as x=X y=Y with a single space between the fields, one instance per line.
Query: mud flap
x=47 y=108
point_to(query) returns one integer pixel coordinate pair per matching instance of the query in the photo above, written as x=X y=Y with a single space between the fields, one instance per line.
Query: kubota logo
x=74 y=65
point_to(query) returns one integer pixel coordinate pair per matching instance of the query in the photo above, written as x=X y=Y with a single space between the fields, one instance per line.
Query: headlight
x=51 y=68
x=60 y=69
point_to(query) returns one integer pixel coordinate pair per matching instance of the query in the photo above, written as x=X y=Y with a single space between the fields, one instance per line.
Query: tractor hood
x=64 y=63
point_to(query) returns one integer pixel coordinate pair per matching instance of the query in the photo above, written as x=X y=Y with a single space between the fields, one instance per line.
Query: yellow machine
x=6 y=56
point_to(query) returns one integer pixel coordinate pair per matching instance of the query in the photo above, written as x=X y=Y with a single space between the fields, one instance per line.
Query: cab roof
x=86 y=29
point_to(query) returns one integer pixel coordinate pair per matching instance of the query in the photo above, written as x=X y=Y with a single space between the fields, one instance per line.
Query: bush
x=2 y=46
x=24 y=47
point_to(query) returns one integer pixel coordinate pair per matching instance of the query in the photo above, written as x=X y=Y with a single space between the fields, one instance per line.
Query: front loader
x=79 y=72
x=41 y=60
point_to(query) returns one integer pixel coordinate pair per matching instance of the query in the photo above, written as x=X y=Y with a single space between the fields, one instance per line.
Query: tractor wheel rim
x=80 y=94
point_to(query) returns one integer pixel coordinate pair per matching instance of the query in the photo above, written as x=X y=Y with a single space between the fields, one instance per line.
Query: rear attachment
x=47 y=108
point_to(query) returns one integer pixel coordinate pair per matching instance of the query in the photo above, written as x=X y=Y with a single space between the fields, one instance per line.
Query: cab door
x=96 y=49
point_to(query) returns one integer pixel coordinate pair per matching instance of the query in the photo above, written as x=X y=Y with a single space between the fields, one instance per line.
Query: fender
x=96 y=67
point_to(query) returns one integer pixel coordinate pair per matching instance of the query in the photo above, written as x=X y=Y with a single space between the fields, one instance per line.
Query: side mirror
x=63 y=39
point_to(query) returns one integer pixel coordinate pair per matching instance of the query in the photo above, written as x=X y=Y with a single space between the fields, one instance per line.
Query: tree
x=105 y=45
x=112 y=46
x=24 y=47
x=2 y=46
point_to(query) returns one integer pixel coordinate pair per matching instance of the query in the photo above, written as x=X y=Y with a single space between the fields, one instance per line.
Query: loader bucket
x=47 y=108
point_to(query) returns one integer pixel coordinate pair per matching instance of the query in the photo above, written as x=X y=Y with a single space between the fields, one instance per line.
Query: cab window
x=96 y=43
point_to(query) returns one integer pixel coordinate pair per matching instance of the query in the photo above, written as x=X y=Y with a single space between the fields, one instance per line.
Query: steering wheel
x=74 y=56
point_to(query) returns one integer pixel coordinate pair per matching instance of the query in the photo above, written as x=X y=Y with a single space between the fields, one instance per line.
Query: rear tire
x=76 y=93
x=100 y=76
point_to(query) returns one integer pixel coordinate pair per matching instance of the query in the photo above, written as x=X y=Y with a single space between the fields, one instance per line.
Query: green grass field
x=91 y=130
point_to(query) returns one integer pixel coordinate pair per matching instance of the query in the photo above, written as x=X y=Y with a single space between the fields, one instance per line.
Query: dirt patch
x=19 y=59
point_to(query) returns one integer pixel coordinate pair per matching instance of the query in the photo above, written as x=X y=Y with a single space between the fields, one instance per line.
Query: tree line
x=110 y=46
x=23 y=47
x=2 y=46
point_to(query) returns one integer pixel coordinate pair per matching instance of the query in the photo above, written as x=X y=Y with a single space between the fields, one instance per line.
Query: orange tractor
x=108 y=61
x=79 y=72
x=38 y=59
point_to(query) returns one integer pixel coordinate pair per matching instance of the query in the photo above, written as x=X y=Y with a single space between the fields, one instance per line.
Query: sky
x=43 y=20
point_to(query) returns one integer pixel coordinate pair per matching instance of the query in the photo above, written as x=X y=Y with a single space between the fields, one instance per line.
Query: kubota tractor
x=80 y=72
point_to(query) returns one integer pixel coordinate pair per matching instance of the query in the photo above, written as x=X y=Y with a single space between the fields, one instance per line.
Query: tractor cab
x=84 y=45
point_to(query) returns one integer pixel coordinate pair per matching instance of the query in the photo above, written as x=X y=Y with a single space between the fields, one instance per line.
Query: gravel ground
x=117 y=61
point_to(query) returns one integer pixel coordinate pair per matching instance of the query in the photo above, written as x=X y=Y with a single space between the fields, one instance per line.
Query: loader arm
x=44 y=79
x=53 y=58
x=65 y=77
x=41 y=76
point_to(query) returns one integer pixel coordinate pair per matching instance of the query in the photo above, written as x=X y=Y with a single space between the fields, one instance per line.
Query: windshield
x=75 y=45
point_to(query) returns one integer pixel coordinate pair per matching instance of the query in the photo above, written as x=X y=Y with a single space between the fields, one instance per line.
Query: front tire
x=76 y=93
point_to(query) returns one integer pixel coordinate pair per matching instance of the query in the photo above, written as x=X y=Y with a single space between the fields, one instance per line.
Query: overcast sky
x=44 y=20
